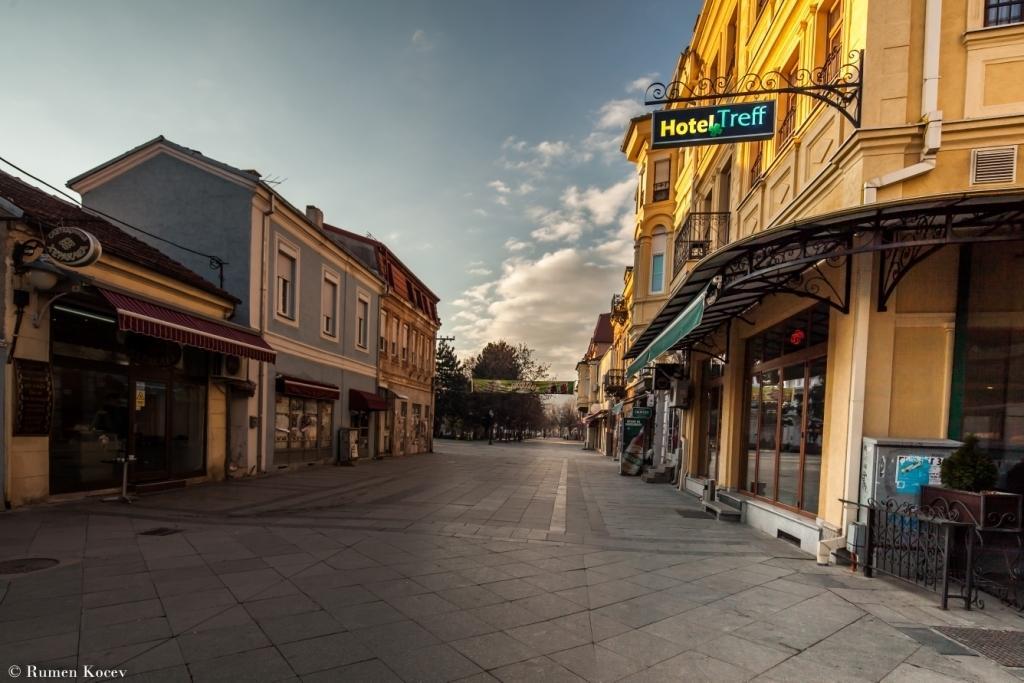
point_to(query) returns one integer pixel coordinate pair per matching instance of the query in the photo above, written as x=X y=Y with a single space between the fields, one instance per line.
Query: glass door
x=149 y=429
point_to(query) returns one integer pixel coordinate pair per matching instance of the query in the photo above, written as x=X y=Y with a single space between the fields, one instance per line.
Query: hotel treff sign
x=715 y=125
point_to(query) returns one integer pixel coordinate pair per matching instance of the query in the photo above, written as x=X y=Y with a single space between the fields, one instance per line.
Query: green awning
x=684 y=323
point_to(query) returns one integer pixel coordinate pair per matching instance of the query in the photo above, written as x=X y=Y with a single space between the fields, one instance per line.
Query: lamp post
x=490 y=427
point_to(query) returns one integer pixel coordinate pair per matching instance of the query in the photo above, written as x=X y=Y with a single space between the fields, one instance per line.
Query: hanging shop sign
x=632 y=460
x=522 y=386
x=72 y=247
x=33 y=397
x=738 y=122
x=642 y=412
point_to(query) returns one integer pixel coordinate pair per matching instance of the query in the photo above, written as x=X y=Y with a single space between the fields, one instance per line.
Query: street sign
x=74 y=247
x=642 y=412
x=739 y=122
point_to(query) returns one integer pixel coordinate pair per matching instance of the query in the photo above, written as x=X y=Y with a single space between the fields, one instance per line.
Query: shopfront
x=785 y=378
x=133 y=378
x=304 y=423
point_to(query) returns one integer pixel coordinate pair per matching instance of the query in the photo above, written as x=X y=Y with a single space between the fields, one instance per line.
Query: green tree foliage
x=968 y=468
x=451 y=386
x=509 y=415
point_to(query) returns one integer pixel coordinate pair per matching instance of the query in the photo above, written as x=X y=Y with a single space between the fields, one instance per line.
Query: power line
x=215 y=261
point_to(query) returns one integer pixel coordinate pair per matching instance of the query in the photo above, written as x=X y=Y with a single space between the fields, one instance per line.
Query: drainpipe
x=931 y=115
x=932 y=118
x=262 y=408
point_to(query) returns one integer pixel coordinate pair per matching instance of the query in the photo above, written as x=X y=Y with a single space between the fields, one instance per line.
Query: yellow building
x=855 y=275
x=405 y=361
x=109 y=358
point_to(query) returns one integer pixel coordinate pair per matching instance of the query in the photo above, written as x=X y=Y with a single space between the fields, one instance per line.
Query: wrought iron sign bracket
x=815 y=284
x=722 y=356
x=840 y=87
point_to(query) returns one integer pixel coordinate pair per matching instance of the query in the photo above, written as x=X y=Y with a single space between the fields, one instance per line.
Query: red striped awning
x=156 y=320
x=307 y=388
x=364 y=401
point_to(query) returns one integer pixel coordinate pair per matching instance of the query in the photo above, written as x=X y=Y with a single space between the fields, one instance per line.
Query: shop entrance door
x=149 y=430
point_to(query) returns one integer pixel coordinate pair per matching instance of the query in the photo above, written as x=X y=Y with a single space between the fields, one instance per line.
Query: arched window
x=658 y=260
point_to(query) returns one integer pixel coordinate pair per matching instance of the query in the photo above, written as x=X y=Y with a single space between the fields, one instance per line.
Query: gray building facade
x=314 y=302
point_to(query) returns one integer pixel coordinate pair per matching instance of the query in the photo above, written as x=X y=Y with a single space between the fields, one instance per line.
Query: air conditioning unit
x=994 y=165
x=228 y=366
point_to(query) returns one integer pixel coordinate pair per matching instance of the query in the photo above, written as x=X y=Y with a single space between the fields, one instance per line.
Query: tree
x=451 y=387
x=511 y=415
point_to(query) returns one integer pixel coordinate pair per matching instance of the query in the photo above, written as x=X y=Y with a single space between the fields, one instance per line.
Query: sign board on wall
x=642 y=412
x=715 y=125
x=33 y=397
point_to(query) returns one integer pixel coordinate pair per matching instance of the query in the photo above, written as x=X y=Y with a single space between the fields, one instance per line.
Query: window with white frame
x=329 y=305
x=384 y=331
x=362 y=321
x=394 y=336
x=658 y=261
x=286 y=272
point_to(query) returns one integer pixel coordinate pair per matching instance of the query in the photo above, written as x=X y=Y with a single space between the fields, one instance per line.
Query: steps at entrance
x=661 y=475
x=722 y=511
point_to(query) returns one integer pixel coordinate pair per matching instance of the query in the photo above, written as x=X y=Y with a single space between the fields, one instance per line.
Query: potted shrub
x=968 y=478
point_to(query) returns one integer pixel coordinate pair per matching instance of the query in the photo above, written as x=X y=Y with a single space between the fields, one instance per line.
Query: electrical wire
x=216 y=261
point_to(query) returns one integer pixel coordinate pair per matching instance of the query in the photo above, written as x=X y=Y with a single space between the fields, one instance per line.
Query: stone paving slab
x=523 y=562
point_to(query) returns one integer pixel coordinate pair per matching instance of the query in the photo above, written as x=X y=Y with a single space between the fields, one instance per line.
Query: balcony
x=615 y=382
x=788 y=125
x=701 y=234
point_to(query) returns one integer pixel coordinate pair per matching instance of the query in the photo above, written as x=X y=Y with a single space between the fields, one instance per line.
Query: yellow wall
x=28 y=457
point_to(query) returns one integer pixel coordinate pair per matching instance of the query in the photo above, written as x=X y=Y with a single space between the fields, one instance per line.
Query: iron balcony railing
x=1000 y=12
x=830 y=69
x=615 y=381
x=702 y=233
x=787 y=127
x=756 y=165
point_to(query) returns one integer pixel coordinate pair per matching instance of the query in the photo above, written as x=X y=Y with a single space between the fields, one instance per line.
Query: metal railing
x=830 y=67
x=701 y=233
x=788 y=125
x=756 y=165
x=615 y=381
x=920 y=546
x=1002 y=12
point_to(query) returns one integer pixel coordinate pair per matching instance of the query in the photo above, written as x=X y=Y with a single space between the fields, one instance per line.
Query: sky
x=479 y=139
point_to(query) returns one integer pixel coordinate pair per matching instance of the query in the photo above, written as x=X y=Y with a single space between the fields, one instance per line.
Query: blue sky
x=478 y=139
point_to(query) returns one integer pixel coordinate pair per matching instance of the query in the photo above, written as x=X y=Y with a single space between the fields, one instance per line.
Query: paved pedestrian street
x=515 y=562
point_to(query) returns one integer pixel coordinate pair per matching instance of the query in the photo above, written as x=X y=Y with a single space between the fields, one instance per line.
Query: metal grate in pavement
x=24 y=565
x=1003 y=647
x=160 y=531
x=692 y=514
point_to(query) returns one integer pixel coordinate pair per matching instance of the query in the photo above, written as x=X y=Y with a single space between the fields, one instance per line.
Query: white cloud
x=480 y=212
x=501 y=199
x=640 y=84
x=603 y=205
x=420 y=41
x=523 y=306
x=617 y=113
x=525 y=188
x=515 y=245
x=480 y=271
x=499 y=186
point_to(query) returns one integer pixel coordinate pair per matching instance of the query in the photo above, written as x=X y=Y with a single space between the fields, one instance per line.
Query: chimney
x=316 y=215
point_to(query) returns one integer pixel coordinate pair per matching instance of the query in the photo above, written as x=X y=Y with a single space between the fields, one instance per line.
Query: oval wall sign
x=73 y=247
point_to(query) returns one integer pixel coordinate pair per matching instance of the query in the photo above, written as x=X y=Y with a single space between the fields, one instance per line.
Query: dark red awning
x=364 y=401
x=307 y=388
x=156 y=320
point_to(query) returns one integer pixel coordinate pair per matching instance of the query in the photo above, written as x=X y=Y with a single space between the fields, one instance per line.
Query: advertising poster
x=632 y=459
x=915 y=471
